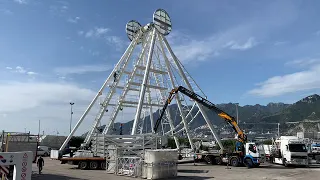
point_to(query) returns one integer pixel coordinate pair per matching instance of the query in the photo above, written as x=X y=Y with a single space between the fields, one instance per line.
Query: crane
x=245 y=152
x=228 y=118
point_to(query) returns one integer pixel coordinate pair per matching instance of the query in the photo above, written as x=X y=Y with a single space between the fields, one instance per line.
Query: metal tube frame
x=177 y=97
x=125 y=91
x=96 y=97
x=144 y=83
x=201 y=108
x=111 y=92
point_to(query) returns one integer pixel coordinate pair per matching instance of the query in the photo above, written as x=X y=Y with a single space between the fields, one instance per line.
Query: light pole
x=237 y=104
x=71 y=112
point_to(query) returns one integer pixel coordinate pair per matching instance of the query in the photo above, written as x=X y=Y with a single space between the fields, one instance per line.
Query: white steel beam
x=108 y=97
x=145 y=80
x=125 y=91
x=177 y=96
x=182 y=74
x=152 y=70
x=133 y=43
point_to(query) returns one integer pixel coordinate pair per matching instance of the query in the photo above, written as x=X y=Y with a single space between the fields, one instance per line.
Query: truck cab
x=290 y=150
x=253 y=154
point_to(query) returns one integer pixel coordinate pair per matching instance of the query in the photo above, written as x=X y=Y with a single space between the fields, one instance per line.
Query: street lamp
x=71 y=112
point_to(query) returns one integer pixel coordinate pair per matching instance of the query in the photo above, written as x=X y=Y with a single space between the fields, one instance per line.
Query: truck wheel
x=248 y=162
x=218 y=160
x=103 y=165
x=284 y=161
x=207 y=159
x=93 y=165
x=83 y=165
x=46 y=154
x=234 y=161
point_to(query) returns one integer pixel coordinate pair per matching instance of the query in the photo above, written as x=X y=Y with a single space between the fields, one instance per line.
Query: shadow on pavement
x=52 y=177
x=192 y=171
x=276 y=167
x=192 y=177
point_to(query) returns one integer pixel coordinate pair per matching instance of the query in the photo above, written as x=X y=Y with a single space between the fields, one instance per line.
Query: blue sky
x=249 y=52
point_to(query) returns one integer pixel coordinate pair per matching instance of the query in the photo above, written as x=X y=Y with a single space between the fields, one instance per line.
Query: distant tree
x=267 y=142
x=76 y=141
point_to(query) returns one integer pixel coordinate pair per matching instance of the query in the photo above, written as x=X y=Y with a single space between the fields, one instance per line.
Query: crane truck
x=244 y=153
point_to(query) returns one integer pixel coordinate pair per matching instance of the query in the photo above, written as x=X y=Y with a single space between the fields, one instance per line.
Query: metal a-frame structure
x=145 y=84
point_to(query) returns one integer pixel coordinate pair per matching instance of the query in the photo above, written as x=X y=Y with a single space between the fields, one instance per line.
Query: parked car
x=43 y=151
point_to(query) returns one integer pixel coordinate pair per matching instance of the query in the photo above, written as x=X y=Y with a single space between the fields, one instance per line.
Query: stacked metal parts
x=126 y=152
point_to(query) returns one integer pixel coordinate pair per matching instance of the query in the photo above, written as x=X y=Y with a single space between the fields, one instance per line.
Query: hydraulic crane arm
x=231 y=120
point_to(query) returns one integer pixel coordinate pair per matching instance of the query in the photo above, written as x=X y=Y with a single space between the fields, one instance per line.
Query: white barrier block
x=22 y=162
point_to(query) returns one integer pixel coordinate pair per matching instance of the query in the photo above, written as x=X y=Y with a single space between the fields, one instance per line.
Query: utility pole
x=237 y=112
x=71 y=112
x=39 y=128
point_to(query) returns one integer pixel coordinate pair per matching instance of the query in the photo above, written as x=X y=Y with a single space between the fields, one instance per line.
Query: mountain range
x=251 y=117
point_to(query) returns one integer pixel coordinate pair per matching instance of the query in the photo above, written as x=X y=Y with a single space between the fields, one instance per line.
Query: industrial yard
x=173 y=131
x=53 y=171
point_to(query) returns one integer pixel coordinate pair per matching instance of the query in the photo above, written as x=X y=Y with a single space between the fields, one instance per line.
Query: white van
x=43 y=151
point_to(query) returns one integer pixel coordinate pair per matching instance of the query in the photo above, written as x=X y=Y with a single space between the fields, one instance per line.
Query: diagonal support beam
x=144 y=83
x=125 y=54
x=182 y=74
x=177 y=96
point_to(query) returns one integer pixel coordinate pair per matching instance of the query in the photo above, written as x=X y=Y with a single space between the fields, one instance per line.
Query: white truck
x=289 y=150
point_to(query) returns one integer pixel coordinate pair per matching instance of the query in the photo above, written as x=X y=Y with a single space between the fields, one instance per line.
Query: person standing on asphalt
x=40 y=164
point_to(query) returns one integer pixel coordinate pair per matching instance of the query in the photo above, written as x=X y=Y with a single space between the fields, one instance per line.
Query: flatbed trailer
x=92 y=163
x=233 y=158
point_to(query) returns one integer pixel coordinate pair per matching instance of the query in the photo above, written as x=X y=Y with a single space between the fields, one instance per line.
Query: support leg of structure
x=168 y=114
x=177 y=96
x=150 y=111
x=125 y=91
x=144 y=83
x=132 y=44
x=109 y=96
x=190 y=88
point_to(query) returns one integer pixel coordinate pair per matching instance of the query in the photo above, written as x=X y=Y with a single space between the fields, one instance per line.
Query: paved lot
x=53 y=170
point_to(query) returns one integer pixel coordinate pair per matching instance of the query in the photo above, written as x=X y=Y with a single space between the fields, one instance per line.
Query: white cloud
x=73 y=20
x=118 y=42
x=210 y=46
x=6 y=11
x=96 y=32
x=21 y=1
x=247 y=45
x=27 y=102
x=64 y=7
x=32 y=73
x=82 y=69
x=93 y=53
x=59 y=10
x=80 y=33
x=306 y=62
x=295 y=82
x=20 y=69
x=100 y=31
x=19 y=96
x=280 y=43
